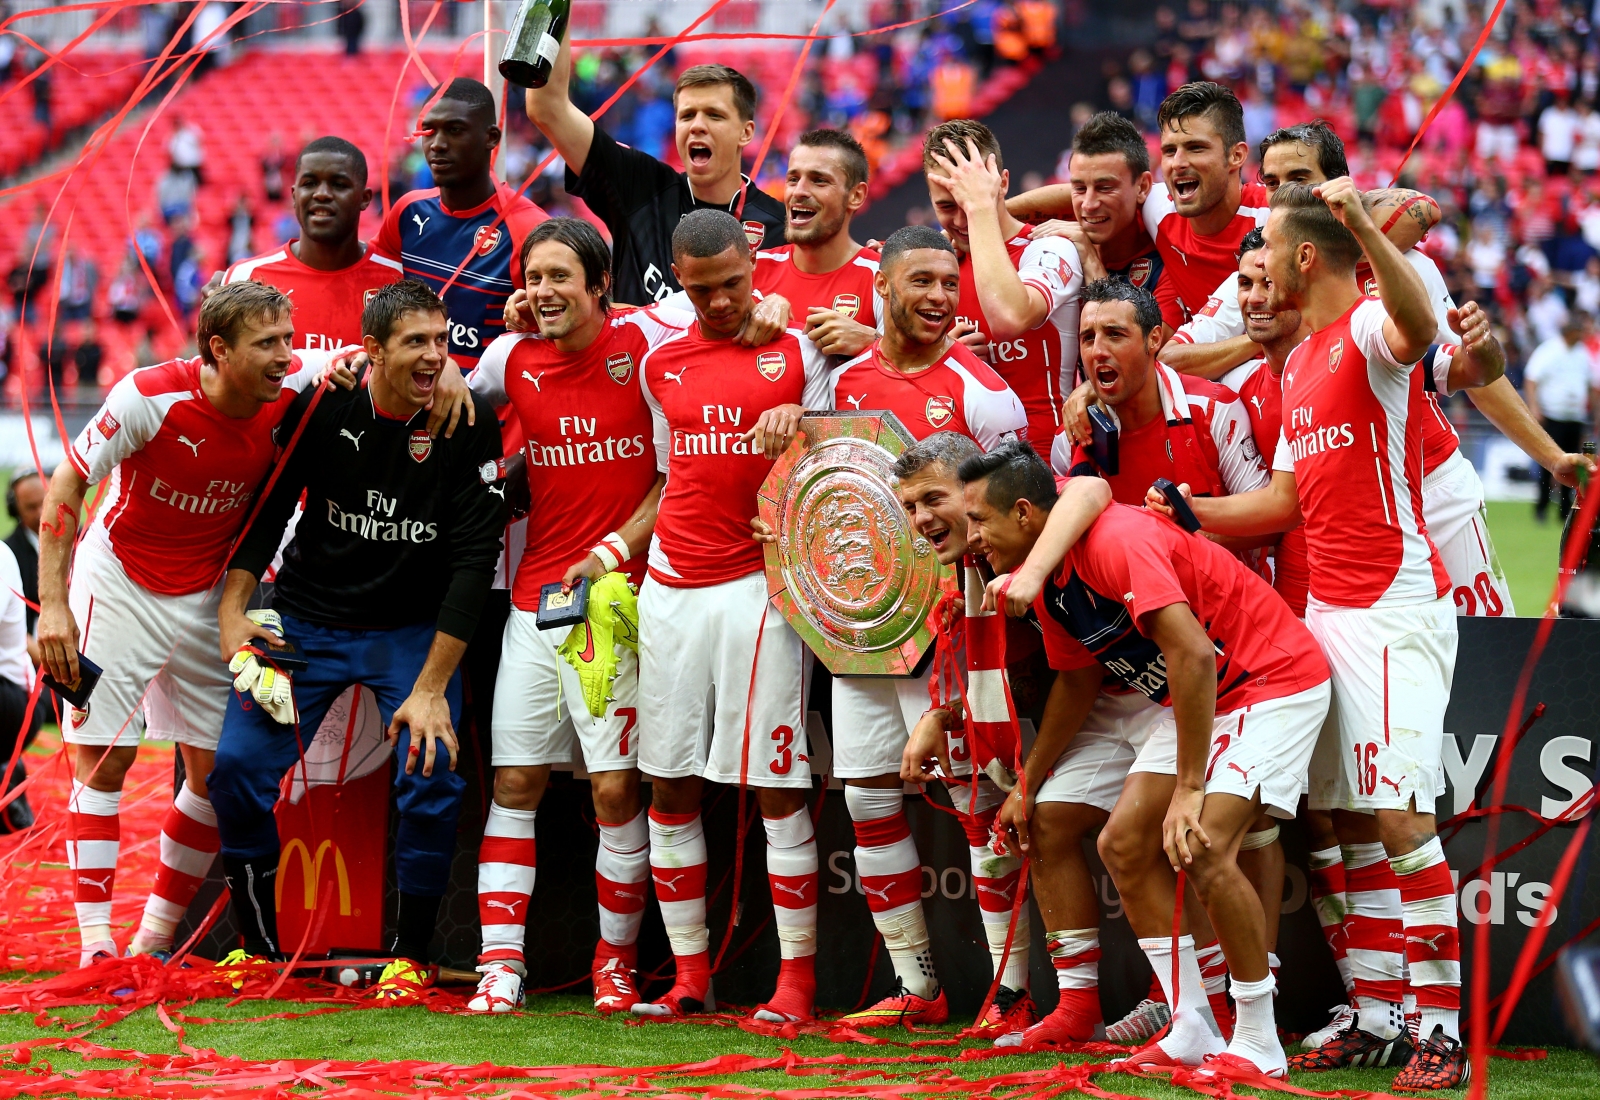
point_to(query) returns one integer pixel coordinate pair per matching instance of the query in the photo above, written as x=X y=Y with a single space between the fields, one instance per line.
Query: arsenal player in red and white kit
x=1242 y=692
x=723 y=412
x=327 y=272
x=1350 y=463
x=591 y=458
x=824 y=274
x=1019 y=295
x=181 y=449
x=931 y=383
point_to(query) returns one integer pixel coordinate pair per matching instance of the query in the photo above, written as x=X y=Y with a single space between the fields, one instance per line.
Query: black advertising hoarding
x=1553 y=766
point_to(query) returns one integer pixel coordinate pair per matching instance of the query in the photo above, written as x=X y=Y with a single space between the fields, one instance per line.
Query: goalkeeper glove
x=269 y=687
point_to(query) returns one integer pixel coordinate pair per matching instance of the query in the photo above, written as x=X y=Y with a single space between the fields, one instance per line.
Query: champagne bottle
x=534 y=42
x=1582 y=599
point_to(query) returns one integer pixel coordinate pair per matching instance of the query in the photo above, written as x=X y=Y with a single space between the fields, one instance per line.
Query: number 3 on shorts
x=784 y=736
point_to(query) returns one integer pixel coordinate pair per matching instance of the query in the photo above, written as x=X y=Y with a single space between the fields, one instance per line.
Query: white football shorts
x=164 y=675
x=539 y=709
x=1452 y=505
x=697 y=653
x=1096 y=762
x=873 y=717
x=1264 y=747
x=1392 y=668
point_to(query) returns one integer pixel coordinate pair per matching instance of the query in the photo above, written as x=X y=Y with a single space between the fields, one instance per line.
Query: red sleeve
x=1064 y=652
x=520 y=220
x=1123 y=558
x=387 y=242
x=1167 y=299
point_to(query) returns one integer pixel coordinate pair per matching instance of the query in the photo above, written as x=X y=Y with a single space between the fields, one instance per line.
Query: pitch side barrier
x=1550 y=792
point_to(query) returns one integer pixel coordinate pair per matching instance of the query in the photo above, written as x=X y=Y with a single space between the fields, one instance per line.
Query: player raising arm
x=1349 y=461
x=1019 y=290
x=575 y=387
x=180 y=449
x=381 y=586
x=639 y=198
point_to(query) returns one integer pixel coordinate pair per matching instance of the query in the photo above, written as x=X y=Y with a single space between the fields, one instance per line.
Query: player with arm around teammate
x=574 y=383
x=1243 y=691
x=1379 y=605
x=180 y=450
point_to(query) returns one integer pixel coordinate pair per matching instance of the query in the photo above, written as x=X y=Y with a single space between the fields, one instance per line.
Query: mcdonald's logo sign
x=311 y=873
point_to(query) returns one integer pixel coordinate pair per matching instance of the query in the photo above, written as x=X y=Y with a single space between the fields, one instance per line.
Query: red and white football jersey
x=847 y=289
x=1354 y=444
x=1132 y=562
x=589 y=437
x=1439 y=438
x=704 y=396
x=327 y=304
x=1262 y=394
x=180 y=477
x=1194 y=264
x=1201 y=438
x=958 y=393
x=1038 y=365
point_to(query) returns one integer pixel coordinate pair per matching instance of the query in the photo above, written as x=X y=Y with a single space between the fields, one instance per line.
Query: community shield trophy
x=847 y=571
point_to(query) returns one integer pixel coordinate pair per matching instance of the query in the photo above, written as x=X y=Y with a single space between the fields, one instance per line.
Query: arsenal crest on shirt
x=367 y=295
x=755 y=233
x=1335 y=354
x=771 y=364
x=847 y=304
x=420 y=445
x=620 y=367
x=1139 y=271
x=939 y=410
x=485 y=239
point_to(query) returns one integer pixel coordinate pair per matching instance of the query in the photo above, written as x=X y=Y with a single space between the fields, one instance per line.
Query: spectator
x=1586 y=288
x=175 y=193
x=25 y=504
x=89 y=355
x=41 y=91
x=352 y=24
x=273 y=162
x=241 y=227
x=16 y=676
x=1559 y=129
x=1586 y=150
x=1547 y=308
x=1557 y=386
x=125 y=296
x=80 y=278
x=1486 y=256
x=1149 y=89
x=185 y=151
x=212 y=39
x=180 y=250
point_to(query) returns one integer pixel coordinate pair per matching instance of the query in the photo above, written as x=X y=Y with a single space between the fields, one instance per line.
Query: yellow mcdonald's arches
x=311 y=873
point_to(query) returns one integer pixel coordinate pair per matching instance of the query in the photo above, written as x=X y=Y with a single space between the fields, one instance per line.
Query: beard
x=821 y=229
x=910 y=325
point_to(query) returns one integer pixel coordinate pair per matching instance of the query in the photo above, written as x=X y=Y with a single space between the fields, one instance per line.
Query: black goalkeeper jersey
x=399 y=528
x=641 y=201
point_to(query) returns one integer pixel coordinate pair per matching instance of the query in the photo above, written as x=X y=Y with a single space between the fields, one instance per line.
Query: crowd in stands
x=885 y=88
x=1511 y=157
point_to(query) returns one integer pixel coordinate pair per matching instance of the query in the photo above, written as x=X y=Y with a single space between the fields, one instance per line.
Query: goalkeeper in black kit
x=382 y=586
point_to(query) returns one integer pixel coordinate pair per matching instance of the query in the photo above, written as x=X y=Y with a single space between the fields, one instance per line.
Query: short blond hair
x=230 y=308
x=706 y=76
